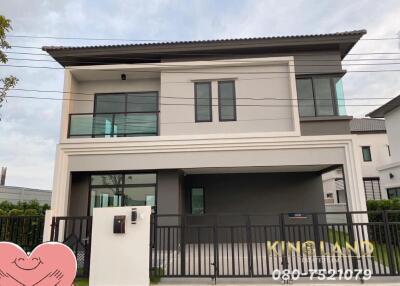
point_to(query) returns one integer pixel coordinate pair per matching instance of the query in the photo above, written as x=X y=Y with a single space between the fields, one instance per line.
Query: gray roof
x=216 y=41
x=342 y=42
x=367 y=125
x=387 y=107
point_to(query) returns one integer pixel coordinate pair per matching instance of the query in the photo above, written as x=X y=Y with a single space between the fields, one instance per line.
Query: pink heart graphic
x=49 y=264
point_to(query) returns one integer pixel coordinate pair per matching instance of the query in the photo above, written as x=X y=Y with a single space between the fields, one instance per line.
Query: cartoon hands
x=51 y=279
x=7 y=280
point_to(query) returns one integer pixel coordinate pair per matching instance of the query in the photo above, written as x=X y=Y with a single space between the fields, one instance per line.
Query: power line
x=189 y=104
x=218 y=60
x=189 y=72
x=174 y=40
x=215 y=54
x=84 y=38
x=180 y=97
x=166 y=65
x=238 y=60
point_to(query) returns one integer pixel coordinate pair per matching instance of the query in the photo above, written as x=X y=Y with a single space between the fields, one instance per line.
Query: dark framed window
x=393 y=193
x=122 y=189
x=366 y=152
x=227 y=100
x=197 y=200
x=121 y=115
x=372 y=189
x=126 y=102
x=317 y=96
x=203 y=101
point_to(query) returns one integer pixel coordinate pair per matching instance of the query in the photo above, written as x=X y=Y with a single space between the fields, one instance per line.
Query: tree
x=11 y=81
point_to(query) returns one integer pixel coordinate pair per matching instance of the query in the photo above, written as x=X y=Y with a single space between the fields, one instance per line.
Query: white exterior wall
x=378 y=143
x=277 y=118
x=393 y=130
x=175 y=84
x=379 y=152
x=390 y=173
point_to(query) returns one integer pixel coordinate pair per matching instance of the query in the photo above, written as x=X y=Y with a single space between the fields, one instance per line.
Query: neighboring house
x=205 y=127
x=20 y=194
x=390 y=171
x=372 y=146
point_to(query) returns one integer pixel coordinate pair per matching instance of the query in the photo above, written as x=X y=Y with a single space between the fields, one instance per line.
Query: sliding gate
x=259 y=245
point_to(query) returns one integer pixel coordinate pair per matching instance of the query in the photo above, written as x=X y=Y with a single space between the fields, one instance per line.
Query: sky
x=29 y=128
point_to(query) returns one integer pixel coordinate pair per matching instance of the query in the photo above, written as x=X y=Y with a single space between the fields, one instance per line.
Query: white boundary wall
x=120 y=259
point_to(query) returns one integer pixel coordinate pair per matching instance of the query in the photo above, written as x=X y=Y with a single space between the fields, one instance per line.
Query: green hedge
x=388 y=205
x=22 y=208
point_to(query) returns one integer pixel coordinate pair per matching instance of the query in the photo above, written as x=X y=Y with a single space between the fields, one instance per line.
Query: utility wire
x=179 y=97
x=147 y=40
x=211 y=60
x=177 y=66
x=188 y=72
x=237 y=42
x=188 y=104
x=222 y=60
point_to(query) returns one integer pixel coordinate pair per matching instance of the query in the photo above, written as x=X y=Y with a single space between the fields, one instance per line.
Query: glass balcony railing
x=104 y=125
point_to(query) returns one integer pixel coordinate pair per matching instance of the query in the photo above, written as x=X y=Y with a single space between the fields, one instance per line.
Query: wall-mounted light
x=391 y=176
x=123 y=76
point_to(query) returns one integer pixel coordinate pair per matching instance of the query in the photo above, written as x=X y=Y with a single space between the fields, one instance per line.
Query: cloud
x=29 y=129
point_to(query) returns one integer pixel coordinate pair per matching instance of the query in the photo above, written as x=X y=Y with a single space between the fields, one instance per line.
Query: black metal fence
x=256 y=245
x=26 y=231
x=76 y=233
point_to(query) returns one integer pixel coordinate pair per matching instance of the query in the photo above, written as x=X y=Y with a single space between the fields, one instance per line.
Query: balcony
x=106 y=125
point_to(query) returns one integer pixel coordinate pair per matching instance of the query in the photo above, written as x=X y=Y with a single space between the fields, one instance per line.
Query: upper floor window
x=203 y=102
x=126 y=102
x=226 y=101
x=118 y=115
x=317 y=96
x=366 y=152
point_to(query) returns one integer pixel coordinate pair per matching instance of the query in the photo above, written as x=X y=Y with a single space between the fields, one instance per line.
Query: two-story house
x=205 y=127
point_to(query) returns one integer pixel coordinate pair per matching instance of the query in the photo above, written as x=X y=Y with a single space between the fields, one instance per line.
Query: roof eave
x=386 y=108
x=344 y=42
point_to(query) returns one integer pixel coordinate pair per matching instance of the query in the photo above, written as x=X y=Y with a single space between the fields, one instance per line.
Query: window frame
x=234 y=101
x=191 y=199
x=369 y=151
x=157 y=111
x=396 y=189
x=371 y=180
x=122 y=186
x=196 y=104
x=126 y=101
x=333 y=93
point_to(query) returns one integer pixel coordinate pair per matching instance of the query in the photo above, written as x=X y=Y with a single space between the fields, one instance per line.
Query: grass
x=81 y=282
x=380 y=253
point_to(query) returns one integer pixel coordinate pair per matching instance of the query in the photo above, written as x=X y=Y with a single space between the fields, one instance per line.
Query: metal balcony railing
x=104 y=125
